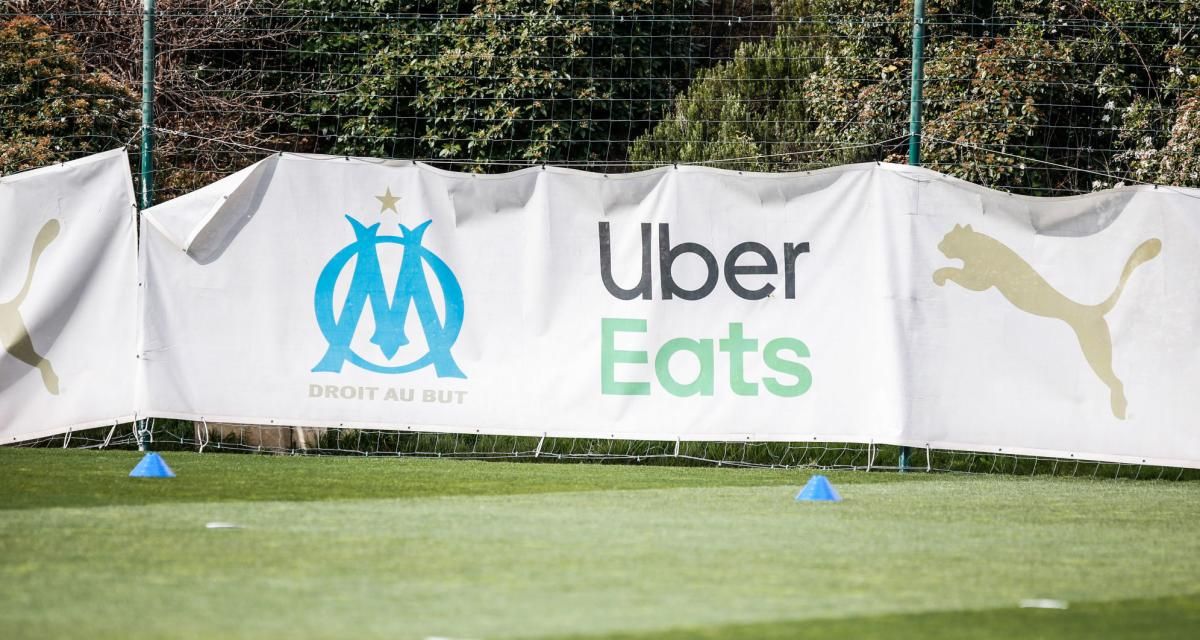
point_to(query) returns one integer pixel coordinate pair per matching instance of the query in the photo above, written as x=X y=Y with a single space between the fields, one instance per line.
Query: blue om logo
x=412 y=290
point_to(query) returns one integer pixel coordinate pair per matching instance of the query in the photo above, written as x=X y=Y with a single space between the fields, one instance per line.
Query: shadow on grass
x=1151 y=619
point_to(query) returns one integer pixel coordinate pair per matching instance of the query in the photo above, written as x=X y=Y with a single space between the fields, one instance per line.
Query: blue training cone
x=152 y=466
x=818 y=489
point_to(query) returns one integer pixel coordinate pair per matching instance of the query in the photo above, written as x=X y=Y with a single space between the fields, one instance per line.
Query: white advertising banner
x=1055 y=326
x=68 y=297
x=867 y=303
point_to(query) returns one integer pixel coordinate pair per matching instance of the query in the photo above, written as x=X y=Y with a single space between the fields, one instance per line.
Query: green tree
x=497 y=80
x=220 y=82
x=748 y=111
x=1020 y=97
x=51 y=107
x=822 y=91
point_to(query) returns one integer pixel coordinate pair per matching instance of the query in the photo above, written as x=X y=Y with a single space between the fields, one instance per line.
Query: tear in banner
x=68 y=297
x=866 y=303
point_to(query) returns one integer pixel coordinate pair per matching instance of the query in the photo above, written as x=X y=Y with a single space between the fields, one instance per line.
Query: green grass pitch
x=405 y=548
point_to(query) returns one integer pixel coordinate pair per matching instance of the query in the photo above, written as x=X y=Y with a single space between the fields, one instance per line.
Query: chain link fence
x=1037 y=97
x=1034 y=97
x=173 y=435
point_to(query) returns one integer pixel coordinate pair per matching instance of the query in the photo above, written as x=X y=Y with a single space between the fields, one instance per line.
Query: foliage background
x=1047 y=97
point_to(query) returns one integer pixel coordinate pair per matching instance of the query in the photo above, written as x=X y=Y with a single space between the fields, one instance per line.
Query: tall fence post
x=914 y=120
x=147 y=170
x=141 y=429
x=918 y=72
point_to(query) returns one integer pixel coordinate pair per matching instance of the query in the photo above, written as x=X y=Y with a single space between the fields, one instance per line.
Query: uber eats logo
x=783 y=356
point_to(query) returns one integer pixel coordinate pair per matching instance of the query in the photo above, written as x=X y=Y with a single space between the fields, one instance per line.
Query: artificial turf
x=404 y=548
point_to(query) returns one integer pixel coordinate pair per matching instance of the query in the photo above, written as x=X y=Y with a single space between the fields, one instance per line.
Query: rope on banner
x=108 y=438
x=202 y=435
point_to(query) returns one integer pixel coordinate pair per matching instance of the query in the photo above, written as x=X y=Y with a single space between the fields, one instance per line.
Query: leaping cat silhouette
x=14 y=336
x=989 y=263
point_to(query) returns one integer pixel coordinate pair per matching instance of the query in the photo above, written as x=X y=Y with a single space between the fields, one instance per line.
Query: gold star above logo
x=388 y=201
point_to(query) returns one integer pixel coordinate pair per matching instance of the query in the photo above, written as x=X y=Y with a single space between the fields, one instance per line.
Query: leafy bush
x=1105 y=86
x=497 y=80
x=52 y=107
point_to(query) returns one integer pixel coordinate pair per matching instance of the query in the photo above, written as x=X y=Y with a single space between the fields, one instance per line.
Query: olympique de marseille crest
x=411 y=291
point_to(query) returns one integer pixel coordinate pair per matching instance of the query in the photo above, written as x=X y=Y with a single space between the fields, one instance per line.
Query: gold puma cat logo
x=989 y=263
x=14 y=337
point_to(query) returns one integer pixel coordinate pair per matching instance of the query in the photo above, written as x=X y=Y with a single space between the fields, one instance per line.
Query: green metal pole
x=149 y=11
x=918 y=72
x=148 y=14
x=914 y=121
